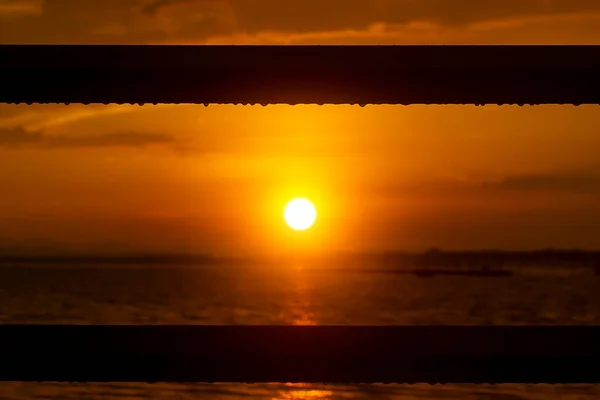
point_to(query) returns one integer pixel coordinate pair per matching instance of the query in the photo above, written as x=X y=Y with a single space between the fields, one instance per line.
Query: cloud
x=45 y=117
x=198 y=21
x=380 y=33
x=119 y=22
x=188 y=19
x=559 y=182
x=153 y=7
x=316 y=15
x=549 y=29
x=301 y=16
x=457 y=188
x=19 y=137
x=108 y=140
x=15 y=8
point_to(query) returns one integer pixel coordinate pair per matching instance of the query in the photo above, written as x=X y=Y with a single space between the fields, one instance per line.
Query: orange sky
x=190 y=178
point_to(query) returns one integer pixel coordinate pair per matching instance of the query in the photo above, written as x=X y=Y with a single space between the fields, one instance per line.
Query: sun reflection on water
x=300 y=312
x=300 y=307
x=303 y=391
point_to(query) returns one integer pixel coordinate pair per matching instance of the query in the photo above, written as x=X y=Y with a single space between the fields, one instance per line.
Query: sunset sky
x=190 y=178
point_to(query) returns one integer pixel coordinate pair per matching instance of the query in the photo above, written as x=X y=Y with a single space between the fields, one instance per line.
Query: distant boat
x=483 y=272
x=424 y=273
x=431 y=272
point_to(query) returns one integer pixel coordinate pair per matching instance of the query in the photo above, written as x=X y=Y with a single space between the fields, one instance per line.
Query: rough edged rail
x=299 y=354
x=300 y=74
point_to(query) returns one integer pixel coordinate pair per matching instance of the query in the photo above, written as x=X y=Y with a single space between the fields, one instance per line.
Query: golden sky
x=191 y=178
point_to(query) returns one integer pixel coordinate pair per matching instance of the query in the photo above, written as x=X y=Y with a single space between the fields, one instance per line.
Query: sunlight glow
x=300 y=214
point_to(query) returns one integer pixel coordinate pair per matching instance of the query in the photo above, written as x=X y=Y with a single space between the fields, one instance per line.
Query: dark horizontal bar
x=300 y=74
x=351 y=354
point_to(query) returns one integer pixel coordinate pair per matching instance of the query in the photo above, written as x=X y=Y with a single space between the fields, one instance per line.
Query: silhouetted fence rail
x=299 y=354
x=300 y=74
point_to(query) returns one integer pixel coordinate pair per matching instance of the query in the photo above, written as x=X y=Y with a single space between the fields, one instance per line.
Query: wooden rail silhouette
x=301 y=74
x=295 y=75
x=353 y=354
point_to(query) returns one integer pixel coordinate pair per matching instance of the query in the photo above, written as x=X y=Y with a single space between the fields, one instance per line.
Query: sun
x=300 y=214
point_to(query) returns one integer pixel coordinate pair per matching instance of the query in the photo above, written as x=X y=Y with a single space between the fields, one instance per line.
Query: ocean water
x=292 y=295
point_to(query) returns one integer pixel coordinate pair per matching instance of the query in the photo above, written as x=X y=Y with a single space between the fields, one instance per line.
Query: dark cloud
x=565 y=182
x=134 y=21
x=316 y=15
x=67 y=21
x=108 y=140
x=469 y=11
x=154 y=6
x=15 y=137
x=19 y=8
x=581 y=183
x=19 y=137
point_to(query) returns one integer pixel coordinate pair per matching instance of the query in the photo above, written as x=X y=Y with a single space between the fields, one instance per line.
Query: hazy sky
x=175 y=178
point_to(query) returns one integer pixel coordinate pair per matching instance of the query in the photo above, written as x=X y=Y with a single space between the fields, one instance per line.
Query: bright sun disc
x=300 y=214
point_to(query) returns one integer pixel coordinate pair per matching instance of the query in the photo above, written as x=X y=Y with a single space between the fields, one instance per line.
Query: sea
x=292 y=295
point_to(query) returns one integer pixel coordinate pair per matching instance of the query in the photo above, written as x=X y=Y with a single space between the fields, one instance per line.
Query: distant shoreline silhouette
x=428 y=260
